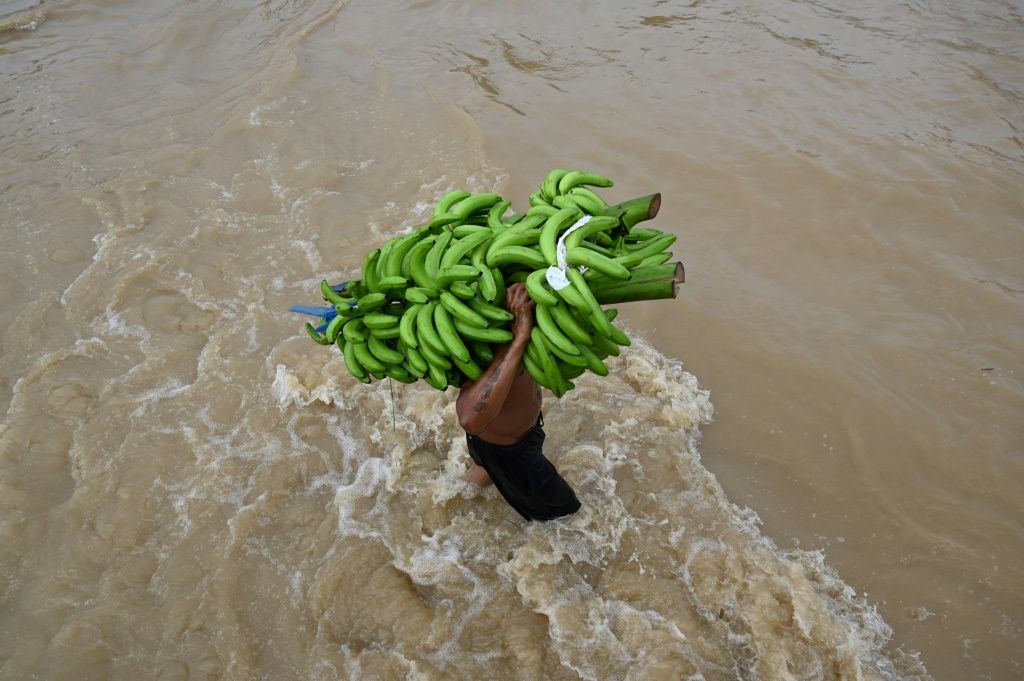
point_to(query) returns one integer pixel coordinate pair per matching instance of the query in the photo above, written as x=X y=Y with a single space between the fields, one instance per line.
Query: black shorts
x=527 y=480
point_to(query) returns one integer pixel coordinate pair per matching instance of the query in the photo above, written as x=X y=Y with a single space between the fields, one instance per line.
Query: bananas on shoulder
x=430 y=303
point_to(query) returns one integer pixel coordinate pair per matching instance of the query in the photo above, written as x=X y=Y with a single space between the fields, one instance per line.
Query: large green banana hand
x=430 y=303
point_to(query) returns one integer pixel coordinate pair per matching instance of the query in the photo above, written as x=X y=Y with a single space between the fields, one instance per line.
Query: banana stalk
x=658 y=282
x=669 y=271
x=629 y=292
x=636 y=210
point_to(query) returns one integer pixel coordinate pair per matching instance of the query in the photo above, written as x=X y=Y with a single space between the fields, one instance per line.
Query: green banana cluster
x=431 y=303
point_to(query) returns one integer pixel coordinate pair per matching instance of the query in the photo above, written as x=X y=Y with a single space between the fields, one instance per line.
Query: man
x=500 y=412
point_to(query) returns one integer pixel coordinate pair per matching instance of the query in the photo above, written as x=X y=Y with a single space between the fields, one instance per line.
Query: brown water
x=191 y=489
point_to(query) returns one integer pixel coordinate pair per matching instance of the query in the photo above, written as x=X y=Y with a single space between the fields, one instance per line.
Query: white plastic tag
x=556 y=273
x=556 y=278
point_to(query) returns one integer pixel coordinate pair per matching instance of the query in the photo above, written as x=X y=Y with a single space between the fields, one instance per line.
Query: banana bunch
x=431 y=303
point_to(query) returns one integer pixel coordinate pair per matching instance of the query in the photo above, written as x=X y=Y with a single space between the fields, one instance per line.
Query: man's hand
x=519 y=303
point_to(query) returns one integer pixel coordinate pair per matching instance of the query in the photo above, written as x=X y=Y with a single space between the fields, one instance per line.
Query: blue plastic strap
x=327 y=312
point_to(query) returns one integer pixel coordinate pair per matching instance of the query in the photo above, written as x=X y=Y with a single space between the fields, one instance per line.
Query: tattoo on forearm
x=488 y=388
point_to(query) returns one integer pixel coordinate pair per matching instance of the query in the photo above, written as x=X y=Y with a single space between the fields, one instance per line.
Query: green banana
x=466 y=229
x=581 y=203
x=436 y=378
x=397 y=372
x=617 y=336
x=535 y=372
x=463 y=247
x=494 y=220
x=516 y=255
x=334 y=328
x=652 y=246
x=354 y=331
x=566 y=321
x=513 y=237
x=426 y=332
x=482 y=351
x=595 y=261
x=569 y=371
x=443 y=220
x=656 y=259
x=499 y=287
x=462 y=290
x=489 y=335
x=449 y=336
x=594 y=309
x=352 y=364
x=573 y=297
x=549 y=235
x=392 y=284
x=597 y=224
x=456 y=273
x=462 y=311
x=433 y=260
x=491 y=312
x=346 y=309
x=446 y=202
x=541 y=210
x=470 y=368
x=544 y=359
x=592 y=197
x=315 y=335
x=385 y=334
x=415 y=295
x=379 y=320
x=370 y=277
x=330 y=295
x=371 y=302
x=381 y=351
x=552 y=333
x=610 y=253
x=536 y=199
x=434 y=358
x=407 y=326
x=603 y=346
x=396 y=257
x=578 y=177
x=367 y=360
x=415 y=362
x=471 y=204
x=357 y=288
x=642 y=234
x=549 y=187
x=536 y=287
x=594 y=362
x=417 y=264
x=576 y=360
x=488 y=287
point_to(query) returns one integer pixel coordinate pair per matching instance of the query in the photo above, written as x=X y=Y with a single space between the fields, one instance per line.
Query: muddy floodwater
x=807 y=466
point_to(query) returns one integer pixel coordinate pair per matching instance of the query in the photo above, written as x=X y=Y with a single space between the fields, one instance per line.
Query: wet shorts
x=527 y=480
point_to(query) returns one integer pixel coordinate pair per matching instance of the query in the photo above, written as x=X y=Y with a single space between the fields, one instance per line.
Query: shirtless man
x=500 y=412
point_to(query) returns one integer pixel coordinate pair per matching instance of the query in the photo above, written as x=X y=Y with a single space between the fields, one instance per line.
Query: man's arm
x=480 y=401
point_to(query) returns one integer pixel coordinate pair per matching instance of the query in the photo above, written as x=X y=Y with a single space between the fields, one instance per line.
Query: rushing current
x=191 y=489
